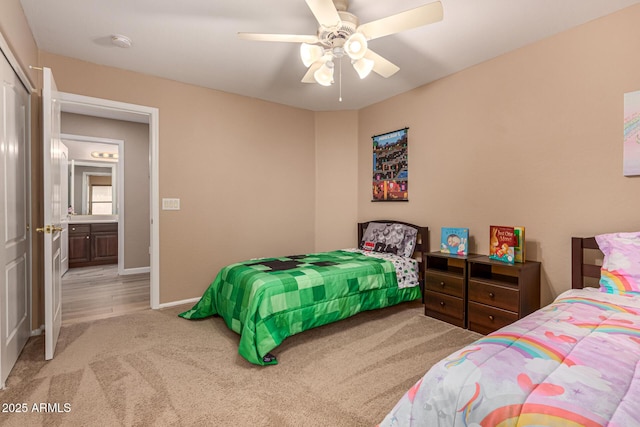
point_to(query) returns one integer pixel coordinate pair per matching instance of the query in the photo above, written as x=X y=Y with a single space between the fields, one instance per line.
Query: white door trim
x=81 y=104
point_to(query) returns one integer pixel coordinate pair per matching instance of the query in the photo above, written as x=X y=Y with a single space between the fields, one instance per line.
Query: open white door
x=52 y=213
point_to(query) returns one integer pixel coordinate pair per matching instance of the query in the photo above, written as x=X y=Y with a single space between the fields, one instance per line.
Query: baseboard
x=138 y=270
x=174 y=303
x=36 y=332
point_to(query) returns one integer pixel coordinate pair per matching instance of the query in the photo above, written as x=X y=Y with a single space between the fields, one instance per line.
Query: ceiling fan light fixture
x=340 y=32
x=310 y=53
x=356 y=46
x=324 y=74
x=363 y=66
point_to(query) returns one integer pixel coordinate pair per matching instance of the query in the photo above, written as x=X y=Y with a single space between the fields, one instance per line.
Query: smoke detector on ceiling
x=121 y=41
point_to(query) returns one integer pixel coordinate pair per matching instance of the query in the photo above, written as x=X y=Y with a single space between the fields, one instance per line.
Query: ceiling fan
x=340 y=34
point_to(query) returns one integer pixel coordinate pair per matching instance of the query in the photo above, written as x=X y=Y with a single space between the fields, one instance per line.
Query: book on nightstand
x=502 y=243
x=519 y=253
x=454 y=240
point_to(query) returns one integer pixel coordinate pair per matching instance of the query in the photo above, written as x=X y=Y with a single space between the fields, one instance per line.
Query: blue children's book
x=454 y=240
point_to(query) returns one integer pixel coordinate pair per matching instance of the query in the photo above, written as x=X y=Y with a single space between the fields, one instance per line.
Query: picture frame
x=390 y=180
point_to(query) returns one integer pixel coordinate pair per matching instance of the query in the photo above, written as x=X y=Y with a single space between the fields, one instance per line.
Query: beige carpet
x=153 y=368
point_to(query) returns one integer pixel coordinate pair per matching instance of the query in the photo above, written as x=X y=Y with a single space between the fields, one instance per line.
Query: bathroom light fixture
x=104 y=155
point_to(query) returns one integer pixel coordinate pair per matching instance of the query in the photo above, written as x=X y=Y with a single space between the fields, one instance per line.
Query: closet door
x=14 y=211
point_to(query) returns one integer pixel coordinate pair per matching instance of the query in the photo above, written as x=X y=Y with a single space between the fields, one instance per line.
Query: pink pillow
x=620 y=272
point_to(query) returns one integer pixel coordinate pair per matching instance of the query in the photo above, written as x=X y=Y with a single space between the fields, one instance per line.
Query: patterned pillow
x=620 y=272
x=389 y=237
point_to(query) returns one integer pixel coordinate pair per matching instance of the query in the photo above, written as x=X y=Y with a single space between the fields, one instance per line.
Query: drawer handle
x=73 y=229
x=442 y=303
x=491 y=318
x=87 y=237
x=442 y=284
x=491 y=295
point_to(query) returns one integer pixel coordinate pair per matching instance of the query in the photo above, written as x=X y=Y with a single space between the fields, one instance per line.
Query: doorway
x=103 y=108
x=109 y=268
x=87 y=171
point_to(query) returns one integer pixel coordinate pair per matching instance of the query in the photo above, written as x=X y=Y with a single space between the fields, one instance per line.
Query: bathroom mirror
x=92 y=188
x=92 y=167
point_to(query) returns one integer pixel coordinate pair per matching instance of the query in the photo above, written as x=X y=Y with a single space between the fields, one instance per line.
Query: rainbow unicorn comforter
x=575 y=362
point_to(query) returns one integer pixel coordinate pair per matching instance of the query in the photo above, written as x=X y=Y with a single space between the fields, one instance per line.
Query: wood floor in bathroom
x=90 y=293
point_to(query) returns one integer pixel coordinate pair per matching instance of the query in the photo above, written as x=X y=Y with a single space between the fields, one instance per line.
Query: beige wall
x=337 y=179
x=15 y=29
x=244 y=170
x=531 y=138
x=136 y=183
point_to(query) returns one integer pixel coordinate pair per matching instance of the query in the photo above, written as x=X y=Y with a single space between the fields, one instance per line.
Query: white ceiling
x=195 y=41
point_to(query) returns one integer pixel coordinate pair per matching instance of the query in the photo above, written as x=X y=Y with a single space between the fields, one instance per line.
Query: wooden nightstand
x=446 y=288
x=499 y=293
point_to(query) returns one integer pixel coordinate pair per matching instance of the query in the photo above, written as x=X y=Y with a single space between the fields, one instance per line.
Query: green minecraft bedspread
x=269 y=299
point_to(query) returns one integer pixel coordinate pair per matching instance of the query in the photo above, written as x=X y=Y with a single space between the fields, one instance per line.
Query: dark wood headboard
x=579 y=269
x=422 y=243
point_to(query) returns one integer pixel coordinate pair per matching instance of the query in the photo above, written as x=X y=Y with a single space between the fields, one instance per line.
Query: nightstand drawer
x=444 y=307
x=445 y=283
x=485 y=319
x=494 y=295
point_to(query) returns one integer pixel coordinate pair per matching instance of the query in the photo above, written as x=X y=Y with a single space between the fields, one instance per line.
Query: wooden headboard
x=422 y=243
x=579 y=269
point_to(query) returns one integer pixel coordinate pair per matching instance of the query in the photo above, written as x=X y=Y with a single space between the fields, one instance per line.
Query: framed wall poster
x=631 y=151
x=390 y=167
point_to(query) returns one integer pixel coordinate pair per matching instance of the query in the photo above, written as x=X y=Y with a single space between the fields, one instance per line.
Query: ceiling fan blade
x=382 y=66
x=290 y=38
x=308 y=77
x=325 y=12
x=423 y=15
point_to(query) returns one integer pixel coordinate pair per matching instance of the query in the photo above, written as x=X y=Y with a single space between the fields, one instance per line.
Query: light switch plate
x=170 y=204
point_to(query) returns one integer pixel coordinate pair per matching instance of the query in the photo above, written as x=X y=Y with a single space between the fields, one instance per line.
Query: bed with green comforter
x=269 y=299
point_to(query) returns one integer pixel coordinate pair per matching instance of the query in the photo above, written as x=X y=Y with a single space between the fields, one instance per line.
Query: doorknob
x=45 y=229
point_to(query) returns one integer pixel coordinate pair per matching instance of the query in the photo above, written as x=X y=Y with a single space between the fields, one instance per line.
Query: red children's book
x=502 y=243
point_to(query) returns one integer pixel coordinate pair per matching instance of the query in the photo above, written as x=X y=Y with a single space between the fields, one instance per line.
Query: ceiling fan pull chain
x=340 y=77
